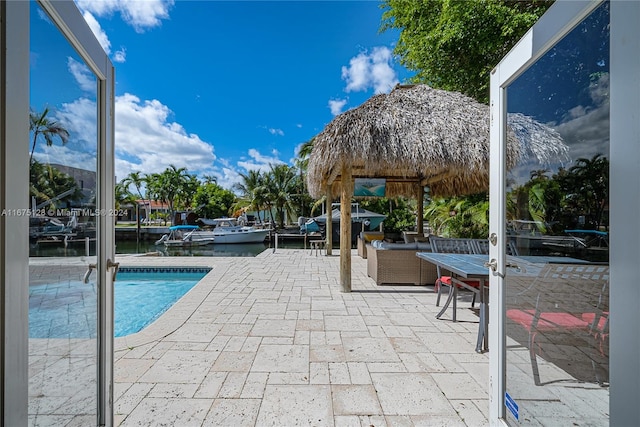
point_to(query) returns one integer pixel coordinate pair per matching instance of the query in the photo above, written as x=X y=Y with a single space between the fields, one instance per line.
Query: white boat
x=186 y=236
x=227 y=230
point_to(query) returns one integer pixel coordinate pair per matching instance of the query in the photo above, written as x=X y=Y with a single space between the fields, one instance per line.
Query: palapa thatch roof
x=413 y=136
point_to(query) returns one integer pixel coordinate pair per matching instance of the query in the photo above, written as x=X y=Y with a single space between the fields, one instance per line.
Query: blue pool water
x=68 y=309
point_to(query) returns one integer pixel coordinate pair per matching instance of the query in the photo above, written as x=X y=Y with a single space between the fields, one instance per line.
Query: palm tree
x=253 y=191
x=210 y=179
x=302 y=164
x=47 y=184
x=41 y=125
x=591 y=181
x=189 y=189
x=171 y=185
x=280 y=185
x=137 y=179
x=123 y=196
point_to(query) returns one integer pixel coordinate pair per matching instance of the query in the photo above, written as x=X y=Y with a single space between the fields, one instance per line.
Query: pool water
x=141 y=295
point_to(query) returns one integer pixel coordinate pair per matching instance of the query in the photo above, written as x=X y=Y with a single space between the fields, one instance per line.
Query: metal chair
x=456 y=246
x=564 y=313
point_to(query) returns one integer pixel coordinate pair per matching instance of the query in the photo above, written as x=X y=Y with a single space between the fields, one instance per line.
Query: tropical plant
x=454 y=44
x=51 y=187
x=302 y=199
x=214 y=201
x=188 y=191
x=400 y=213
x=459 y=216
x=587 y=188
x=43 y=127
x=280 y=184
x=253 y=192
x=138 y=180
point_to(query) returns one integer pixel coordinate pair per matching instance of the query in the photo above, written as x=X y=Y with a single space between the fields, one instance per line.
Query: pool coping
x=172 y=319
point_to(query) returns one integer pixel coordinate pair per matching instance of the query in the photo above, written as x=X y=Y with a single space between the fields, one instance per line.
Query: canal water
x=132 y=247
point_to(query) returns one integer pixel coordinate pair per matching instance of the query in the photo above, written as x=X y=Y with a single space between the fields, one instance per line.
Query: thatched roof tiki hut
x=415 y=136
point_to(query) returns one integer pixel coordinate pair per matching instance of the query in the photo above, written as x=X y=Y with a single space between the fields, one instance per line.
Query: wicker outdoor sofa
x=365 y=238
x=396 y=263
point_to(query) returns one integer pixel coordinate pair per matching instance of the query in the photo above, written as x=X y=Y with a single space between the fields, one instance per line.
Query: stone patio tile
x=327 y=353
x=355 y=400
x=472 y=410
x=131 y=397
x=296 y=405
x=359 y=373
x=232 y=413
x=233 y=361
x=446 y=342
x=456 y=386
x=254 y=385
x=339 y=373
x=174 y=390
x=195 y=332
x=369 y=350
x=344 y=323
x=235 y=329
x=180 y=367
x=410 y=394
x=281 y=358
x=168 y=412
x=233 y=385
x=408 y=345
x=346 y=421
x=130 y=370
x=309 y=325
x=274 y=328
x=211 y=385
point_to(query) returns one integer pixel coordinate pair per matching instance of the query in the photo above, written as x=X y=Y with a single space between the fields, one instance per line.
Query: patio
x=272 y=340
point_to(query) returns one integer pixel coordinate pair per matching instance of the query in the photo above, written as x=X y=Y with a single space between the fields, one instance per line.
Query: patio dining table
x=466 y=266
x=472 y=266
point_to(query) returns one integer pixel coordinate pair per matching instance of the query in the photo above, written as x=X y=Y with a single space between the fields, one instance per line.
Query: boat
x=366 y=219
x=185 y=236
x=228 y=230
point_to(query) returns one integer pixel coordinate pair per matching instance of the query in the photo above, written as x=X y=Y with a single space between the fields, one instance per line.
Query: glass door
x=70 y=228
x=554 y=203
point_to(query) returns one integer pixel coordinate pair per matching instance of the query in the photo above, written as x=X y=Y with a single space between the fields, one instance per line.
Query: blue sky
x=225 y=87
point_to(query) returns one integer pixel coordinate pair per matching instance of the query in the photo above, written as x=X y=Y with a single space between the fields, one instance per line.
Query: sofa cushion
x=399 y=246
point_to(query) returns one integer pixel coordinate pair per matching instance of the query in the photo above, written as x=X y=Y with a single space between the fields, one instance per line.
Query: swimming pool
x=141 y=295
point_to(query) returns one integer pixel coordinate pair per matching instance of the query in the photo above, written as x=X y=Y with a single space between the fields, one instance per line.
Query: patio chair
x=482 y=247
x=564 y=314
x=457 y=246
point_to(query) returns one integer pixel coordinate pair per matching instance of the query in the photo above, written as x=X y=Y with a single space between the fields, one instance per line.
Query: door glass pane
x=557 y=306
x=62 y=231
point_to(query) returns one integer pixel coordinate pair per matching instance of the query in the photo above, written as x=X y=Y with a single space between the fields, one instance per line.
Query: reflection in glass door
x=557 y=302
x=63 y=190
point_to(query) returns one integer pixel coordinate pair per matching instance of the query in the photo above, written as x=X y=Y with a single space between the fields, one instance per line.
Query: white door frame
x=14 y=191
x=624 y=196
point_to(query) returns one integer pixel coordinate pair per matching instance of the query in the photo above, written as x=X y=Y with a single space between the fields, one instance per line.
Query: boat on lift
x=186 y=236
x=229 y=230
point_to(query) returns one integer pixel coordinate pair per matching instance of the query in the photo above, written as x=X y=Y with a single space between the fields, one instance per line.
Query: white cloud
x=336 y=105
x=141 y=15
x=145 y=137
x=98 y=31
x=82 y=74
x=278 y=132
x=371 y=70
x=120 y=55
x=299 y=126
x=259 y=161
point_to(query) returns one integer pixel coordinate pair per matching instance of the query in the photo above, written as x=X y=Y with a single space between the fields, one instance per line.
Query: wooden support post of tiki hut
x=420 y=223
x=329 y=223
x=345 y=228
